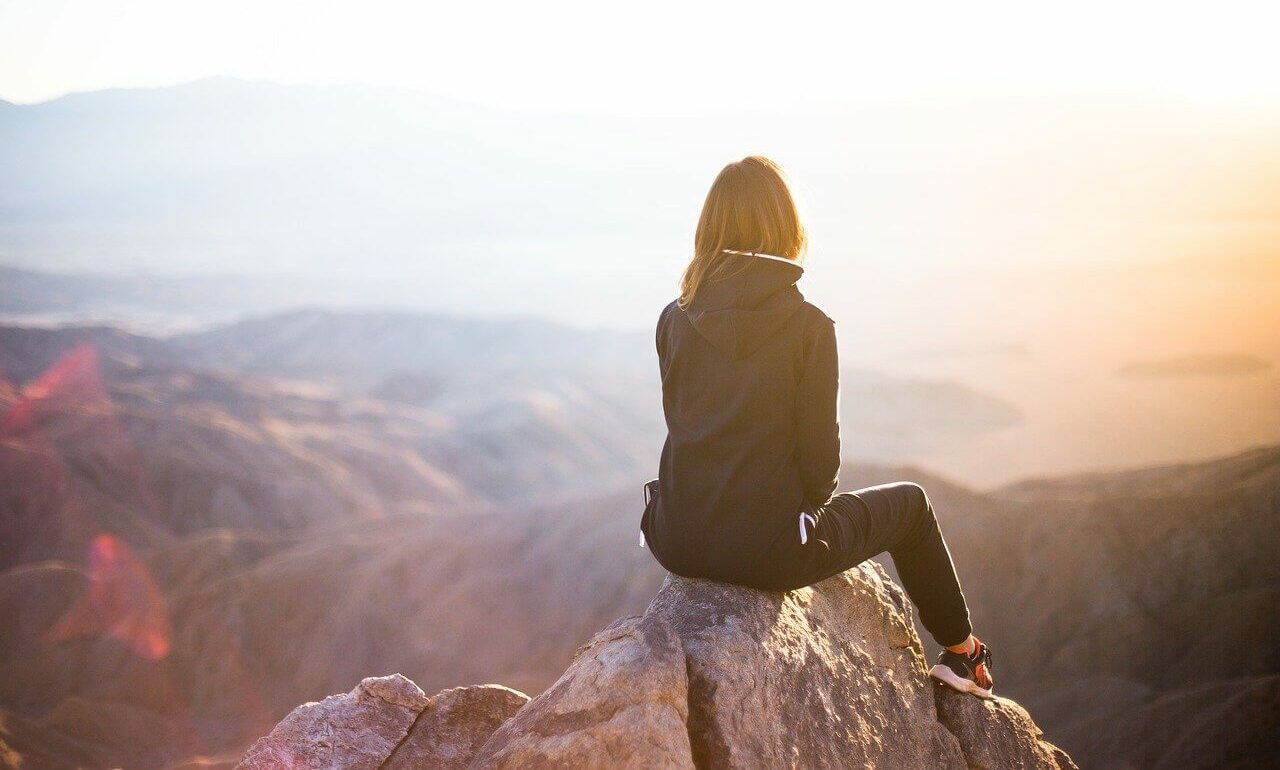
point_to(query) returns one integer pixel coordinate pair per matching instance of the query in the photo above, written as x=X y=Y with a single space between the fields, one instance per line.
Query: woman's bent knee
x=920 y=512
x=918 y=498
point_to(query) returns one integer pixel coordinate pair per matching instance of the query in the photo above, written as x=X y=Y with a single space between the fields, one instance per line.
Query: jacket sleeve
x=817 y=416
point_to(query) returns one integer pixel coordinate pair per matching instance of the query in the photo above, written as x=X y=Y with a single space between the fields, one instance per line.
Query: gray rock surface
x=454 y=725
x=711 y=675
x=354 y=730
x=623 y=702
x=385 y=722
x=996 y=733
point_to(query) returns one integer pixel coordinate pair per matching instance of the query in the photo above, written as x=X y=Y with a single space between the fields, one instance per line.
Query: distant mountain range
x=1222 y=365
x=421 y=202
x=1087 y=394
x=154 y=304
x=502 y=408
x=356 y=186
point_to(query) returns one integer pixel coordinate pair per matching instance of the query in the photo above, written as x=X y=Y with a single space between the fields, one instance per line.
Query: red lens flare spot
x=122 y=602
x=74 y=378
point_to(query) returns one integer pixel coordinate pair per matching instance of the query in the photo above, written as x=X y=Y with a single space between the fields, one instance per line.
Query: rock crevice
x=396 y=751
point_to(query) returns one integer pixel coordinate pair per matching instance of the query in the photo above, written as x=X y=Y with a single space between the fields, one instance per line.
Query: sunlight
x=673 y=56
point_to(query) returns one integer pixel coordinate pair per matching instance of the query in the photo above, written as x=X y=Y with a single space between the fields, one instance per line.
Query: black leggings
x=898 y=518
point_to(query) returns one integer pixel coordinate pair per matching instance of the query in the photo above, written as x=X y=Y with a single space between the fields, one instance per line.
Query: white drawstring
x=647 y=498
x=813 y=522
x=760 y=254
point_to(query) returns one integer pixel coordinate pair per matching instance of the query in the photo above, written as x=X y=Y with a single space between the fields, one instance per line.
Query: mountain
x=257 y=629
x=1252 y=471
x=258 y=623
x=202 y=540
x=574 y=421
x=1170 y=570
x=496 y=408
x=108 y=442
x=446 y=361
x=406 y=199
x=213 y=175
x=160 y=304
x=1220 y=365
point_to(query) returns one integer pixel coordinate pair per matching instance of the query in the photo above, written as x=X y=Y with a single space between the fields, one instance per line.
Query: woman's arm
x=817 y=416
x=660 y=341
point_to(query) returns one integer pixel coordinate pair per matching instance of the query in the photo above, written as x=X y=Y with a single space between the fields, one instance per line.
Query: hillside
x=556 y=575
x=1171 y=571
x=504 y=408
x=990 y=408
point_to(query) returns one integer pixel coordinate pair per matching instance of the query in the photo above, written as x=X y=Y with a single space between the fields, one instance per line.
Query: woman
x=749 y=387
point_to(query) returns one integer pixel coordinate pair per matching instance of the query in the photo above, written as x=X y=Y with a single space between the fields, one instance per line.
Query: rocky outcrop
x=711 y=675
x=974 y=723
x=386 y=722
x=357 y=730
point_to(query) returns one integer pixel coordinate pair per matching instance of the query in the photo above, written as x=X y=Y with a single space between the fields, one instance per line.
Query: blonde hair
x=748 y=208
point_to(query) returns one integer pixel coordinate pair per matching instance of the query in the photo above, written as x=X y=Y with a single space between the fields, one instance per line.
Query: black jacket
x=749 y=388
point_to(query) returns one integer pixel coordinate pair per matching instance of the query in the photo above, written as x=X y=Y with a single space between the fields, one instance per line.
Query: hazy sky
x=641 y=57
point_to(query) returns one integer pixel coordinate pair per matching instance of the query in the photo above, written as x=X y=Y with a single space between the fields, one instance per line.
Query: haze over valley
x=1028 y=251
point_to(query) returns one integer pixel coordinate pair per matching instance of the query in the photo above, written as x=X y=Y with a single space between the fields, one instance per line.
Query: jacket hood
x=740 y=313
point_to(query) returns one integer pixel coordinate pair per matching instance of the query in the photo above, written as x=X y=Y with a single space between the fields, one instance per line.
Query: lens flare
x=73 y=379
x=122 y=602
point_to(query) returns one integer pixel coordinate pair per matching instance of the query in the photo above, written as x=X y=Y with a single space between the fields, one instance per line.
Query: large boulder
x=712 y=675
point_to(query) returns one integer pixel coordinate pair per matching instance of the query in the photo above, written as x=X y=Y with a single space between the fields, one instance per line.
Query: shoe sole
x=948 y=677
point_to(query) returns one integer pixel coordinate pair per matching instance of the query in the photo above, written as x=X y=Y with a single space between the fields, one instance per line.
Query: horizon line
x=1080 y=96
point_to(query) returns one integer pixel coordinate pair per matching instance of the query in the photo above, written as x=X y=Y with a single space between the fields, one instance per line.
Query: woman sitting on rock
x=749 y=387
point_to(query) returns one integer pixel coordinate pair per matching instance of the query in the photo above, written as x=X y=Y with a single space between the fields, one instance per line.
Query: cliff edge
x=711 y=675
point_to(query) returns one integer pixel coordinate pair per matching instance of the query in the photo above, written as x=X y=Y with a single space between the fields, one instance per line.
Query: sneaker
x=966 y=673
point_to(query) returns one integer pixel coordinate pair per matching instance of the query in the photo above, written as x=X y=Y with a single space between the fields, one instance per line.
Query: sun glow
x=673 y=56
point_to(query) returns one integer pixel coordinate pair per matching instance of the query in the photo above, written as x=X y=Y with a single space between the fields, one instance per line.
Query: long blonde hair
x=748 y=208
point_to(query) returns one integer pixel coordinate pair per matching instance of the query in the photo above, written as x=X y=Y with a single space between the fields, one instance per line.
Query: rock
x=826 y=676
x=386 y=722
x=711 y=675
x=974 y=722
x=454 y=725
x=622 y=703
x=357 y=730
